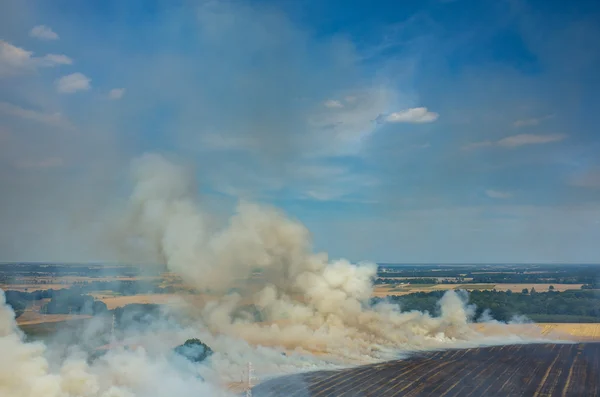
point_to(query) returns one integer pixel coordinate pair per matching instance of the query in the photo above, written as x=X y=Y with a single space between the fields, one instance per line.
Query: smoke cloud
x=26 y=372
x=267 y=298
x=307 y=301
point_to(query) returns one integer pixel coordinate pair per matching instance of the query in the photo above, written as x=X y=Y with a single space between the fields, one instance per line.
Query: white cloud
x=116 y=93
x=343 y=131
x=412 y=115
x=497 y=194
x=531 y=121
x=41 y=117
x=530 y=139
x=15 y=60
x=54 y=59
x=72 y=83
x=333 y=104
x=518 y=140
x=43 y=32
x=324 y=194
x=526 y=122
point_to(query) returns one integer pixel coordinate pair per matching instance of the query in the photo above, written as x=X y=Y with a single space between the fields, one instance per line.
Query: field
x=32 y=287
x=42 y=330
x=119 y=301
x=577 y=332
x=513 y=370
x=30 y=318
x=385 y=290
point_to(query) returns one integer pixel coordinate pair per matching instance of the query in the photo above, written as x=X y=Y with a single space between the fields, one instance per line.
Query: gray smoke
x=309 y=302
x=26 y=372
x=315 y=312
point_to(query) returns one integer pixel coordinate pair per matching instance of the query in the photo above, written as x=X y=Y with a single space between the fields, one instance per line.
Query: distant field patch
x=418 y=286
x=32 y=318
x=119 y=301
x=32 y=287
x=480 y=287
x=581 y=332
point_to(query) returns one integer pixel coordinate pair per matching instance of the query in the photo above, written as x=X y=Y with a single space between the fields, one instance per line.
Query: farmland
x=515 y=370
x=385 y=290
x=113 y=302
x=575 y=332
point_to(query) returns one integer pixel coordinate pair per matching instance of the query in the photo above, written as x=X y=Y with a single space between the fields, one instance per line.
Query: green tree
x=525 y=291
x=551 y=288
x=194 y=350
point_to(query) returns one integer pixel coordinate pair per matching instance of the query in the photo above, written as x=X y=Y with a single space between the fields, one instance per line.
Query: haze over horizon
x=421 y=132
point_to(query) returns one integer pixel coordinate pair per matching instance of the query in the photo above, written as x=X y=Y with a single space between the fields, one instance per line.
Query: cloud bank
x=413 y=115
x=43 y=32
x=15 y=60
x=518 y=140
x=72 y=83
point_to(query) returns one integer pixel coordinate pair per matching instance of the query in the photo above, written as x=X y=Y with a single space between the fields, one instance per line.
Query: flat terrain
x=577 y=332
x=32 y=287
x=30 y=318
x=119 y=301
x=512 y=370
x=386 y=290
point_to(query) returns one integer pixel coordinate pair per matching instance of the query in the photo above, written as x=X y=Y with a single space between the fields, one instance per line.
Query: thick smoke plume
x=26 y=372
x=307 y=301
x=292 y=309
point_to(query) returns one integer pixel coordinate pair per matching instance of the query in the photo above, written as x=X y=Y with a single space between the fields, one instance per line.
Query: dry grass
x=581 y=332
x=29 y=318
x=119 y=301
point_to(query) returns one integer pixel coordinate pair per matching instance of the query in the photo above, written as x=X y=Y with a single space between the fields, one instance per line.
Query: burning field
x=305 y=313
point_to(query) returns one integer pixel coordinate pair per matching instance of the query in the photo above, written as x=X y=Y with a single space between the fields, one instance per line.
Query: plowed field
x=512 y=370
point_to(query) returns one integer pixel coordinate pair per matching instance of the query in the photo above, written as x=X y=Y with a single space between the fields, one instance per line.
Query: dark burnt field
x=511 y=370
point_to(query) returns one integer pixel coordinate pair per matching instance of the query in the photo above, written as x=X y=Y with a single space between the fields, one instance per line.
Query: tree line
x=76 y=300
x=551 y=306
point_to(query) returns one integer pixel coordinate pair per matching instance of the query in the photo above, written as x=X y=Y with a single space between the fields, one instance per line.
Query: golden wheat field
x=580 y=332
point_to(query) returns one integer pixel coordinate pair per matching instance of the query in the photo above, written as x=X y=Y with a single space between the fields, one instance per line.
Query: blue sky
x=413 y=131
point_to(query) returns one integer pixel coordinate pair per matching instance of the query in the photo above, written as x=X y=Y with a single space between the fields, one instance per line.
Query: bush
x=194 y=350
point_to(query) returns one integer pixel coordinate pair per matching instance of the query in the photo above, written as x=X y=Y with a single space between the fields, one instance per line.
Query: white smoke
x=310 y=304
x=316 y=312
x=26 y=372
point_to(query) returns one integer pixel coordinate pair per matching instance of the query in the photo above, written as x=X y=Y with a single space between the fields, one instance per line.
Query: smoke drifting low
x=308 y=302
x=314 y=309
x=26 y=372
